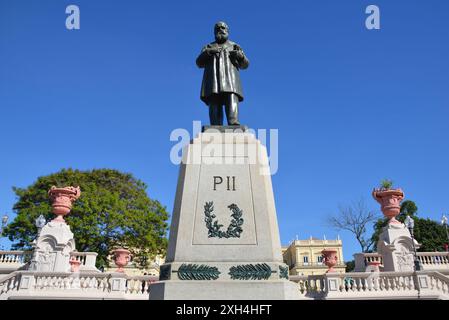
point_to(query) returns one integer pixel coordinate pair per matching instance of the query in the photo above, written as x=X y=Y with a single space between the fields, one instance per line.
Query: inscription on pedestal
x=224 y=211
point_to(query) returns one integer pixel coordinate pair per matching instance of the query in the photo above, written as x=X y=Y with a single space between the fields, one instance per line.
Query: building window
x=306 y=260
x=320 y=259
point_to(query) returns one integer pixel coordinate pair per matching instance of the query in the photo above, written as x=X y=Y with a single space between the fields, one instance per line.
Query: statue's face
x=221 y=32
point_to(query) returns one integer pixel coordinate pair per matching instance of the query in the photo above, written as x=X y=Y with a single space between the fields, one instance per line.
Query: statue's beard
x=221 y=37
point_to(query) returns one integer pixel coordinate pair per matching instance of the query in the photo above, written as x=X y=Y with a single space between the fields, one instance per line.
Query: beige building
x=304 y=257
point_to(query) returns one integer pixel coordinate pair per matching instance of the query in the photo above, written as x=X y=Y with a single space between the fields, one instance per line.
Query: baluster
x=88 y=282
x=137 y=286
x=44 y=282
x=402 y=283
x=54 y=282
x=396 y=284
x=387 y=283
x=129 y=286
x=372 y=283
x=92 y=282
x=376 y=283
x=359 y=284
x=11 y=284
x=132 y=286
x=364 y=282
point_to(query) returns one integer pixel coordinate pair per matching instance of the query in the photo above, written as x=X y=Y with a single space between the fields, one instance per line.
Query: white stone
x=52 y=248
x=396 y=247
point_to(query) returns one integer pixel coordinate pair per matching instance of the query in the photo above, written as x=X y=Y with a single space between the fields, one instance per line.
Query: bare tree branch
x=355 y=218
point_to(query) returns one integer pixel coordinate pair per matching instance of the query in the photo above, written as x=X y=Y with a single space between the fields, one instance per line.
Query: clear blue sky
x=352 y=106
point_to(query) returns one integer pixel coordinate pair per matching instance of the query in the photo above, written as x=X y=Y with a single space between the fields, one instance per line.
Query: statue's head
x=221 y=31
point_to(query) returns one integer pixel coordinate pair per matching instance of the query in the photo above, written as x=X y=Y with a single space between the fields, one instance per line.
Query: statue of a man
x=222 y=60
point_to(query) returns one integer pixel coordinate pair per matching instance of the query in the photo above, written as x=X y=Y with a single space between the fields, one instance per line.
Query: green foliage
x=113 y=210
x=408 y=208
x=386 y=184
x=258 y=271
x=430 y=234
x=197 y=272
x=234 y=228
x=350 y=266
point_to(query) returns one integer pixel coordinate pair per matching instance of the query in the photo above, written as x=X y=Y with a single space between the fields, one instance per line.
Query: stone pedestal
x=224 y=238
x=396 y=247
x=52 y=248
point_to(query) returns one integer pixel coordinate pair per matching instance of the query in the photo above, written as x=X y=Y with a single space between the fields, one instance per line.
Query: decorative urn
x=121 y=258
x=74 y=264
x=374 y=265
x=62 y=200
x=390 y=202
x=330 y=259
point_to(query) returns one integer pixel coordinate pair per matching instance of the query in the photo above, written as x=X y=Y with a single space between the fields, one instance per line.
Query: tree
x=113 y=210
x=428 y=233
x=355 y=218
x=350 y=266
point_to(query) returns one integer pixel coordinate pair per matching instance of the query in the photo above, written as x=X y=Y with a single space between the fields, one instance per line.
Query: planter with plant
x=389 y=199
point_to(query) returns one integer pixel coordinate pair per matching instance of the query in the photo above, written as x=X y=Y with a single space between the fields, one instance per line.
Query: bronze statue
x=222 y=60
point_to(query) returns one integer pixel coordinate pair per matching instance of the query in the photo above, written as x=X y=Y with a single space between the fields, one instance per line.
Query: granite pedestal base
x=224 y=290
x=224 y=238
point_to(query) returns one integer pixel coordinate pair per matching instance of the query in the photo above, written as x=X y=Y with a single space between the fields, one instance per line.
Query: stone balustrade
x=374 y=285
x=363 y=260
x=87 y=259
x=58 y=285
x=428 y=260
x=433 y=260
x=13 y=260
x=355 y=285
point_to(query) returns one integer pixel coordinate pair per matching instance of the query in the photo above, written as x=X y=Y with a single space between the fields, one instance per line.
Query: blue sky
x=352 y=106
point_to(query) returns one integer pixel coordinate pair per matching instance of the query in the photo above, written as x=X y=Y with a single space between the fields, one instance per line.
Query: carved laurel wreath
x=235 y=227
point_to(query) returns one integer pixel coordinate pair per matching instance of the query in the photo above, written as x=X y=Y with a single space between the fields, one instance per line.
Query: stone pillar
x=396 y=247
x=55 y=241
x=395 y=242
x=224 y=238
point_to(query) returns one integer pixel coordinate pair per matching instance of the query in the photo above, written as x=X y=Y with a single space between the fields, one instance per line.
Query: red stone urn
x=74 y=264
x=121 y=257
x=330 y=259
x=390 y=202
x=374 y=265
x=62 y=200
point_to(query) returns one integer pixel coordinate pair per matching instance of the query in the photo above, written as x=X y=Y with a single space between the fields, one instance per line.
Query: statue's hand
x=211 y=50
x=236 y=54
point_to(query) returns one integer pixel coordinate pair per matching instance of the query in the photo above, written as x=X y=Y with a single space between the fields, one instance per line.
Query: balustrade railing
x=87 y=260
x=14 y=257
x=433 y=260
x=79 y=285
x=375 y=285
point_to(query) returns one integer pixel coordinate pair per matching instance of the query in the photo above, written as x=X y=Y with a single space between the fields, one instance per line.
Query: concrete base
x=52 y=248
x=224 y=290
x=396 y=247
x=224 y=238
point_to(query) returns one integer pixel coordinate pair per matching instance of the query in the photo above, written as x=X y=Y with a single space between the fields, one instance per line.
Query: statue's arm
x=202 y=58
x=243 y=62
